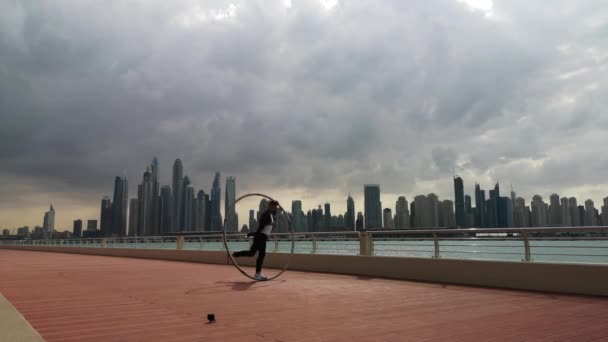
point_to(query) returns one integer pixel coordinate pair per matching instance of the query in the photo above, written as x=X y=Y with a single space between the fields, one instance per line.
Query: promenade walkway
x=68 y=297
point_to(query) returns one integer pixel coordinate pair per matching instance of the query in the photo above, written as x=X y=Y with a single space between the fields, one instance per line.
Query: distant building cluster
x=179 y=208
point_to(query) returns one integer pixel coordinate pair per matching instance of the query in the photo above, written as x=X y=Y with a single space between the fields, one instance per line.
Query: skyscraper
x=48 y=224
x=188 y=206
x=459 y=201
x=521 y=215
x=505 y=212
x=119 y=207
x=388 y=219
x=605 y=212
x=492 y=207
x=167 y=203
x=565 y=212
x=590 y=216
x=402 y=213
x=468 y=211
x=555 y=210
x=349 y=220
x=105 y=217
x=232 y=223
x=157 y=215
x=373 y=207
x=359 y=222
x=216 y=217
x=539 y=212
x=178 y=188
x=186 y=211
x=252 y=223
x=480 y=207
x=133 y=216
x=155 y=185
x=298 y=219
x=327 y=219
x=144 y=204
x=574 y=213
x=446 y=214
x=201 y=211
x=77 y=231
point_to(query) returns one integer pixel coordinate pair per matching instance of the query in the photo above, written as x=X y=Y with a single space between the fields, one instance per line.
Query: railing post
x=180 y=242
x=103 y=243
x=528 y=254
x=201 y=242
x=366 y=245
x=314 y=244
x=436 y=242
x=276 y=245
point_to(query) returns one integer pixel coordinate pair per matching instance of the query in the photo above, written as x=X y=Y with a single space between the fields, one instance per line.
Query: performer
x=259 y=239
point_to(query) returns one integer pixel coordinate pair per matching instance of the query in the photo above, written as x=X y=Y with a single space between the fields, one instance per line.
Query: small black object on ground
x=211 y=318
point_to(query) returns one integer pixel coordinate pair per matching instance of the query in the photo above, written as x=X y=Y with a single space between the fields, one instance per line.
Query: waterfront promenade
x=70 y=297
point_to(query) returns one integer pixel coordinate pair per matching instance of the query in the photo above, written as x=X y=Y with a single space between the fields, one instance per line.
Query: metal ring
x=224 y=235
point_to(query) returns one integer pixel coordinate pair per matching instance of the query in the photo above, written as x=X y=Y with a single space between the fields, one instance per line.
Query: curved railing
x=559 y=244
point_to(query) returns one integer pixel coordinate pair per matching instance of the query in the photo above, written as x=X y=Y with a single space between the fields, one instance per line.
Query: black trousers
x=259 y=246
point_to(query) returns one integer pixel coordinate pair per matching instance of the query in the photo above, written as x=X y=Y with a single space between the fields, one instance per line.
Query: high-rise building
x=446 y=214
x=188 y=206
x=555 y=210
x=216 y=216
x=480 y=207
x=402 y=213
x=120 y=207
x=327 y=219
x=359 y=223
x=468 y=211
x=459 y=202
x=581 y=215
x=232 y=223
x=155 y=185
x=574 y=212
x=133 y=217
x=167 y=211
x=388 y=219
x=513 y=197
x=157 y=215
x=91 y=224
x=521 y=215
x=201 y=211
x=77 y=231
x=178 y=188
x=590 y=215
x=605 y=212
x=426 y=214
x=144 y=204
x=349 y=219
x=492 y=207
x=565 y=212
x=105 y=219
x=252 y=222
x=505 y=212
x=373 y=206
x=298 y=219
x=539 y=211
x=309 y=225
x=48 y=224
x=445 y=209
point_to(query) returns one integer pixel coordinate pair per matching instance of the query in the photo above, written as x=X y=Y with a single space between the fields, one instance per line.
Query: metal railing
x=561 y=244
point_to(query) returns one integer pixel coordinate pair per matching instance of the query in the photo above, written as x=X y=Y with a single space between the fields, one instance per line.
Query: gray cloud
x=396 y=93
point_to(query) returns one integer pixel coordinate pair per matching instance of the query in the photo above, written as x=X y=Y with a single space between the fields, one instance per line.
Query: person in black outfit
x=259 y=239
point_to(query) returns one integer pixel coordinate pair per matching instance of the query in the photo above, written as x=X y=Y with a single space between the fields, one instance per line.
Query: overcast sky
x=300 y=99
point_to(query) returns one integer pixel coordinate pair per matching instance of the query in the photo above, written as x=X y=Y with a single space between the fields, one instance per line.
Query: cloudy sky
x=300 y=99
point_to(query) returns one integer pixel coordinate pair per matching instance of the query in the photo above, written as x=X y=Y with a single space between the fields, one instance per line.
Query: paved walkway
x=69 y=297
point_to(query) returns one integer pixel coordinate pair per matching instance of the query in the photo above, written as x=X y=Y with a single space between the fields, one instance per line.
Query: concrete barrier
x=589 y=279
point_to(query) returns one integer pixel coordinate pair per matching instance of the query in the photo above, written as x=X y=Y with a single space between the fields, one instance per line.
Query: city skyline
x=401 y=94
x=498 y=211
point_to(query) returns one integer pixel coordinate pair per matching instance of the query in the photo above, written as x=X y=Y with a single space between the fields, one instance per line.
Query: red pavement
x=69 y=297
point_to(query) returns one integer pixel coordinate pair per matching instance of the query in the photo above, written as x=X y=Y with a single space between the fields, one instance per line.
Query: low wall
x=549 y=277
